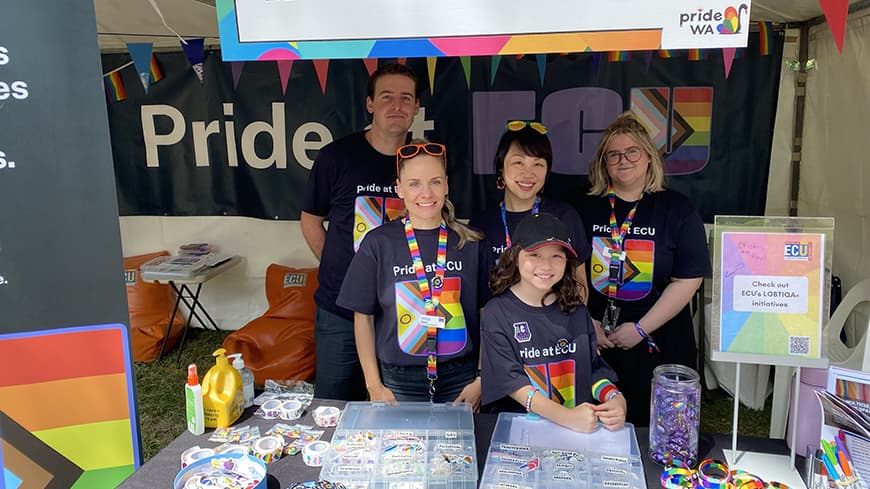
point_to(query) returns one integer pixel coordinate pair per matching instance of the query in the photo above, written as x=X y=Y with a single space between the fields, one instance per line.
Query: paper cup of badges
x=268 y=448
x=193 y=454
x=196 y=474
x=327 y=416
x=313 y=453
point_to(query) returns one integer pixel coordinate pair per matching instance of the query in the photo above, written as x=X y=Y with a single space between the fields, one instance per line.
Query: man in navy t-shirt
x=352 y=186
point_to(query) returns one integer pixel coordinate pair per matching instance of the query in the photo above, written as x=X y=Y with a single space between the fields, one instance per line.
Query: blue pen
x=831 y=472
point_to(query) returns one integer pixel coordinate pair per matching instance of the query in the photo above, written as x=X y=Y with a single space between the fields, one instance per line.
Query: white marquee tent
x=832 y=152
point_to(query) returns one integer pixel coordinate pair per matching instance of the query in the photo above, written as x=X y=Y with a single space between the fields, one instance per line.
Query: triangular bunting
x=466 y=68
x=371 y=65
x=115 y=90
x=141 y=54
x=616 y=56
x=596 y=63
x=520 y=56
x=431 y=61
x=647 y=58
x=194 y=49
x=154 y=68
x=321 y=66
x=542 y=66
x=765 y=37
x=494 y=61
x=237 y=67
x=727 y=59
x=666 y=53
x=284 y=67
x=836 y=12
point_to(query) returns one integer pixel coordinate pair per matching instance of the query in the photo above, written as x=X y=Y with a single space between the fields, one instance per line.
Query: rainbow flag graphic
x=697 y=54
x=765 y=37
x=613 y=56
x=156 y=72
x=66 y=407
x=115 y=90
x=409 y=309
x=666 y=53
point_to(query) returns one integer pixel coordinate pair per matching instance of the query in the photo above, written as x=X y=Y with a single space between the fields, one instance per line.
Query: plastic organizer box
x=531 y=452
x=413 y=445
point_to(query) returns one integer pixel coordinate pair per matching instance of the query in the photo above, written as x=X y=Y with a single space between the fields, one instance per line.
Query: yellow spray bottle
x=222 y=397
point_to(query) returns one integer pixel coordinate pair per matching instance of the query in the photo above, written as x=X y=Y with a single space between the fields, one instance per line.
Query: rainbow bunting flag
x=666 y=53
x=156 y=72
x=617 y=56
x=115 y=90
x=697 y=54
x=765 y=37
x=738 y=53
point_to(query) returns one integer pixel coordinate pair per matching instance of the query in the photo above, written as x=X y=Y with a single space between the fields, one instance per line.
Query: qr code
x=798 y=345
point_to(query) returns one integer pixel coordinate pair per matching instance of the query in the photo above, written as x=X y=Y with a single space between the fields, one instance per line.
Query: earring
x=499 y=183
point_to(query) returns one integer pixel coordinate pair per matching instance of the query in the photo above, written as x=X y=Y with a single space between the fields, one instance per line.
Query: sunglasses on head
x=413 y=149
x=520 y=125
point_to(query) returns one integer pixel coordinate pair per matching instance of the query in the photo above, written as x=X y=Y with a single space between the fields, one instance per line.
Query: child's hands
x=612 y=413
x=583 y=419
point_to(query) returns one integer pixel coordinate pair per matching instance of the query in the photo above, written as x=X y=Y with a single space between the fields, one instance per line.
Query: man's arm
x=313 y=231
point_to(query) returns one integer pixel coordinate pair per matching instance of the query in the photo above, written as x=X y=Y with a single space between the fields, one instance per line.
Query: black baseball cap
x=537 y=230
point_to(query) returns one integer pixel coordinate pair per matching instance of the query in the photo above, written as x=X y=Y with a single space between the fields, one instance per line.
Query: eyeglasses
x=631 y=155
x=413 y=149
x=520 y=125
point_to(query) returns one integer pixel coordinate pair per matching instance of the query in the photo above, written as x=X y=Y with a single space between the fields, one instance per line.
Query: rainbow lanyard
x=431 y=298
x=507 y=234
x=617 y=236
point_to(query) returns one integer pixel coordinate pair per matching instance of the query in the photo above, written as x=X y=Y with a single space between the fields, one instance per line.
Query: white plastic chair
x=840 y=355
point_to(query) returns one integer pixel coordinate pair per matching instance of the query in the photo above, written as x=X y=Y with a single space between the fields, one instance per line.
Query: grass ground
x=160 y=391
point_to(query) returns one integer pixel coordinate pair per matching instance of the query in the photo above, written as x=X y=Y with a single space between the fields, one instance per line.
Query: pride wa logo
x=706 y=22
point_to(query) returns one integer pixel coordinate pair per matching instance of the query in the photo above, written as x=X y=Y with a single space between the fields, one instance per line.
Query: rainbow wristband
x=713 y=474
x=604 y=390
x=650 y=343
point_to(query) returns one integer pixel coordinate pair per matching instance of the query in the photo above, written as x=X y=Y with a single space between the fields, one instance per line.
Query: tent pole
x=800 y=92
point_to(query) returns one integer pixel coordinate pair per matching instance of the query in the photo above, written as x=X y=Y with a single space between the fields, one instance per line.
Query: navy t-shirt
x=490 y=223
x=539 y=346
x=353 y=186
x=666 y=240
x=381 y=281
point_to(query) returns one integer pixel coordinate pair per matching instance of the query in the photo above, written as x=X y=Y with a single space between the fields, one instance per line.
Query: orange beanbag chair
x=149 y=306
x=279 y=345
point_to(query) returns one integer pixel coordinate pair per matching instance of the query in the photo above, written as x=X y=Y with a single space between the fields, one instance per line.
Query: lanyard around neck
x=431 y=296
x=507 y=234
x=617 y=237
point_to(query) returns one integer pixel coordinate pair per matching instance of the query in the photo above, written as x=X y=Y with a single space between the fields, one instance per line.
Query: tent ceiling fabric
x=120 y=22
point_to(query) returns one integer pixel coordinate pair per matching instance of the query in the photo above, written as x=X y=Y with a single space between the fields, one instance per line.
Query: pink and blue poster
x=772 y=293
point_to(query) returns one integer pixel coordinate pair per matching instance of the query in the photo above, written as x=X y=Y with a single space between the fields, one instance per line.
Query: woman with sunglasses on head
x=412 y=286
x=522 y=164
x=649 y=257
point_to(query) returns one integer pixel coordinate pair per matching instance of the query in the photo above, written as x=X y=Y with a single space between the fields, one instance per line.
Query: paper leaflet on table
x=844 y=414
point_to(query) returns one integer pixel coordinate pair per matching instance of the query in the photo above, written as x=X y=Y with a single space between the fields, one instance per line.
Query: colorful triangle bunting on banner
x=596 y=63
x=371 y=65
x=237 y=67
x=115 y=90
x=466 y=68
x=321 y=67
x=542 y=66
x=666 y=53
x=727 y=59
x=431 y=61
x=836 y=12
x=194 y=49
x=615 y=56
x=647 y=59
x=765 y=37
x=494 y=61
x=284 y=67
x=154 y=68
x=141 y=54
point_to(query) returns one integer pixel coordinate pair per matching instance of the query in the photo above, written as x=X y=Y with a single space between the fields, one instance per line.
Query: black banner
x=188 y=149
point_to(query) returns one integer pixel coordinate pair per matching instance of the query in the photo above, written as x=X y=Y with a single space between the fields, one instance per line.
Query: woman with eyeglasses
x=522 y=163
x=413 y=289
x=649 y=256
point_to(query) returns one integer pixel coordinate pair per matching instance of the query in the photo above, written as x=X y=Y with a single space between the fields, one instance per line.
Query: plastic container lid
x=238 y=361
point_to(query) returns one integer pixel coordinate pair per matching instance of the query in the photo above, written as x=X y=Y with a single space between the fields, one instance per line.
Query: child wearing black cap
x=538 y=342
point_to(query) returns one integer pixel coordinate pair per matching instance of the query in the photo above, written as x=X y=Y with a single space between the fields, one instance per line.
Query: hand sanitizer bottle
x=247 y=378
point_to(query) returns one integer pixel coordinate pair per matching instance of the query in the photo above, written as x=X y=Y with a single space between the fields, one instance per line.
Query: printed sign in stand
x=771 y=288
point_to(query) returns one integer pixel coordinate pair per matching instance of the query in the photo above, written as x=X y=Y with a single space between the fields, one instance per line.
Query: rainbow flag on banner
x=738 y=53
x=765 y=37
x=697 y=54
x=666 y=53
x=156 y=72
x=617 y=56
x=115 y=90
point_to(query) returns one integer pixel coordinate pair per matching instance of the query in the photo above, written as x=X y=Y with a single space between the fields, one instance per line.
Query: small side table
x=185 y=292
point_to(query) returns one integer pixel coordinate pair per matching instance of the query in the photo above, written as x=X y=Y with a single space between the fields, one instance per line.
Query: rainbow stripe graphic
x=115 y=90
x=371 y=212
x=667 y=53
x=614 y=56
x=156 y=72
x=409 y=309
x=765 y=37
x=637 y=271
x=66 y=403
x=697 y=54
x=555 y=380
